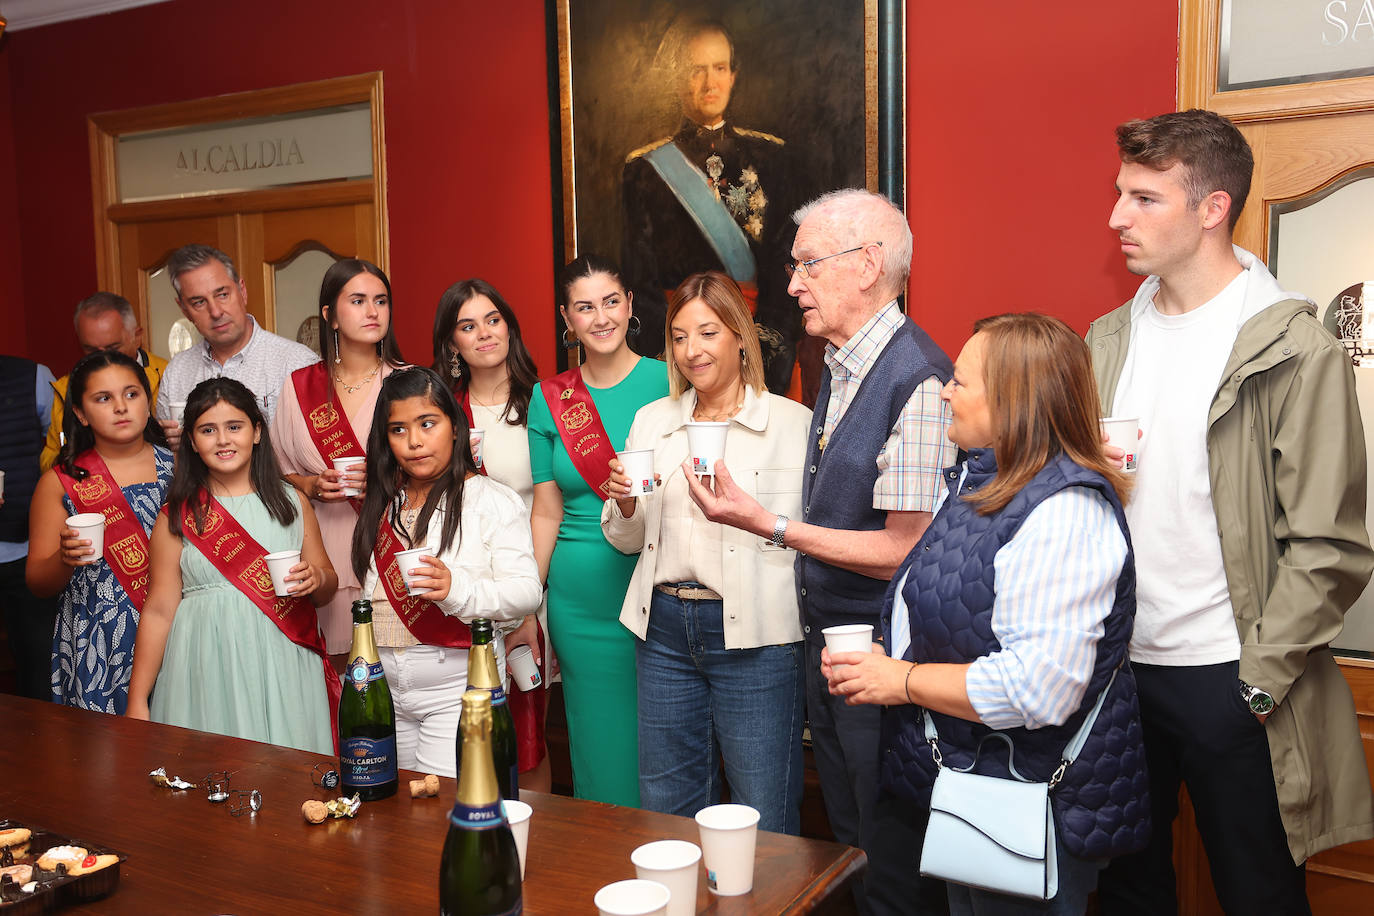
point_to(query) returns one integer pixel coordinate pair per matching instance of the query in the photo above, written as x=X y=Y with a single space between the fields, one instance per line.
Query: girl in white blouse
x=715 y=608
x=423 y=491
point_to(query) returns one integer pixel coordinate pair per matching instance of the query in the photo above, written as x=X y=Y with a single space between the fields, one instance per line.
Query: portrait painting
x=691 y=132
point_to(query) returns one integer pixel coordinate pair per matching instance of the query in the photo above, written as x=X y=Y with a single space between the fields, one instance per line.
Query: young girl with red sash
x=577 y=421
x=479 y=349
x=218 y=650
x=324 y=412
x=114 y=462
x=424 y=491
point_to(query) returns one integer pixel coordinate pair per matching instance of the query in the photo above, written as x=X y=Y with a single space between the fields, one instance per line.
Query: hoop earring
x=455 y=366
x=634 y=324
x=338 y=357
x=572 y=344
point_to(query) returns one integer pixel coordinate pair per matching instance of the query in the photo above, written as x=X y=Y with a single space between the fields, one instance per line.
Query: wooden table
x=86 y=775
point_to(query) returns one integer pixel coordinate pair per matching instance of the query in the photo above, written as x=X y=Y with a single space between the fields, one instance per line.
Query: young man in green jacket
x=1248 y=524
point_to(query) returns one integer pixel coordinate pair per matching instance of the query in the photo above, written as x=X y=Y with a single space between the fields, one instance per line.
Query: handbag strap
x=1071 y=750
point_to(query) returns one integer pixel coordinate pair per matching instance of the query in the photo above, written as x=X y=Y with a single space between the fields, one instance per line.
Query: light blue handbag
x=993 y=833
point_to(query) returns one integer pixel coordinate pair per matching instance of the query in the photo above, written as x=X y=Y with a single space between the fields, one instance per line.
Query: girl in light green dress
x=208 y=657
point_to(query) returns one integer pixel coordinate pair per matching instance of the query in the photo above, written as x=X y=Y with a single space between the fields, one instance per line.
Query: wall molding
x=30 y=14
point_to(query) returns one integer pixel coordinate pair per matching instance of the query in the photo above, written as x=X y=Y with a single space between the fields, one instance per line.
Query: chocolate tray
x=55 y=888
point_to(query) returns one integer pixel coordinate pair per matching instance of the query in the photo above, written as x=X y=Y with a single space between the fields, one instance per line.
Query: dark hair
x=384 y=472
x=332 y=286
x=580 y=269
x=520 y=369
x=1213 y=153
x=192 y=257
x=191 y=477
x=1043 y=402
x=78 y=436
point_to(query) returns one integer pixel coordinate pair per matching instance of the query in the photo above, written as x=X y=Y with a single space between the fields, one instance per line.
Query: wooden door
x=1310 y=139
x=263 y=232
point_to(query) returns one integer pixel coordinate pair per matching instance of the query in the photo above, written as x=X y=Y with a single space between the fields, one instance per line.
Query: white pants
x=427 y=684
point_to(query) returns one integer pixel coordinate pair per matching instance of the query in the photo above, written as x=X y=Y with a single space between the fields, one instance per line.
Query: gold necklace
x=718 y=418
x=363 y=382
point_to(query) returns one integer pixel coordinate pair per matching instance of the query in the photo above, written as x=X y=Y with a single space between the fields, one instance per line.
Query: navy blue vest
x=1102 y=806
x=21 y=444
x=837 y=488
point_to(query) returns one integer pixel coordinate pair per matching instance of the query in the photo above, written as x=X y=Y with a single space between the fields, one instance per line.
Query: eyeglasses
x=808 y=268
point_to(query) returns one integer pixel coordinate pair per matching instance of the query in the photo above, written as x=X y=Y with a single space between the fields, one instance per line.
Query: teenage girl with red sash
x=115 y=462
x=217 y=649
x=324 y=412
x=577 y=421
x=424 y=491
x=477 y=345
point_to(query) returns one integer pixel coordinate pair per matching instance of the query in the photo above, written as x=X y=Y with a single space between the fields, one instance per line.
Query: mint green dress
x=227 y=668
x=587 y=582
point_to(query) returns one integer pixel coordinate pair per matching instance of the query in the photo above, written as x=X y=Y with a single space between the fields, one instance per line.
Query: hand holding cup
x=430 y=579
x=76 y=547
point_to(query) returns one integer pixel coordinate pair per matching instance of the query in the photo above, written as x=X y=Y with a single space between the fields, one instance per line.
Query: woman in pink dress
x=325 y=412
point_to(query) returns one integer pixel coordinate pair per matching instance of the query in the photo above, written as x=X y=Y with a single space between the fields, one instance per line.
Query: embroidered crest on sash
x=323 y=417
x=92 y=489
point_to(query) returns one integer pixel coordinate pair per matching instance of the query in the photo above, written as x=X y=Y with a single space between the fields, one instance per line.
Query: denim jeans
x=698 y=698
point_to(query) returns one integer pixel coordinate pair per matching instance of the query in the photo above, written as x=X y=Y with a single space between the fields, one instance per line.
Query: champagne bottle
x=479 y=873
x=483 y=674
x=367 y=720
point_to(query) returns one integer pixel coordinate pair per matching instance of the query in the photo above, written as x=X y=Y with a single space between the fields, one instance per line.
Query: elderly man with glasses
x=876 y=450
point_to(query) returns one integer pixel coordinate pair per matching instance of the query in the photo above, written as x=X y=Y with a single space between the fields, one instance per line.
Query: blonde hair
x=1043 y=403
x=723 y=297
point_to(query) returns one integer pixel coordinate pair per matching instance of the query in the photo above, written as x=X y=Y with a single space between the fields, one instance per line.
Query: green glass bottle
x=367 y=720
x=483 y=674
x=479 y=873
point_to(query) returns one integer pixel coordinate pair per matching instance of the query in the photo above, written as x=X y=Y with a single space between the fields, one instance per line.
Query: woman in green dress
x=577 y=422
x=226 y=654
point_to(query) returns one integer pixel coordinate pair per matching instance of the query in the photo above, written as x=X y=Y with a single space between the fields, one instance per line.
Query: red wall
x=1010 y=156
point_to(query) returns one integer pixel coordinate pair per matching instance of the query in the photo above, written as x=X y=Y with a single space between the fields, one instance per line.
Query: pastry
x=13 y=836
x=70 y=856
x=92 y=863
x=20 y=874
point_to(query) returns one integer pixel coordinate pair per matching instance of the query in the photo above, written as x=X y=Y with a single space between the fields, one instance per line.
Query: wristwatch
x=779 y=531
x=1261 y=703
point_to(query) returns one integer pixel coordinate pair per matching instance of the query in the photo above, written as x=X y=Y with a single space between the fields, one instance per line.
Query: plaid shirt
x=917 y=451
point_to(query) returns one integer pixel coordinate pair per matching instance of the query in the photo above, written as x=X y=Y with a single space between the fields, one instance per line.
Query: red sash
x=329 y=429
x=579 y=426
x=126 y=543
x=465 y=402
x=425 y=621
x=242 y=560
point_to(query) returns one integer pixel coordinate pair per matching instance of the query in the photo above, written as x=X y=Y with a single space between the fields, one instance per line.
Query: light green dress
x=587 y=582
x=227 y=668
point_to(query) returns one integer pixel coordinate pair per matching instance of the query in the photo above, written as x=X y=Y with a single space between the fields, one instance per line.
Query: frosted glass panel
x=1325 y=250
x=168 y=331
x=298 y=295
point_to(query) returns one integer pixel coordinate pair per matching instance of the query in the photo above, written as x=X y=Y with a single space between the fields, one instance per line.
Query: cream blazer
x=764 y=451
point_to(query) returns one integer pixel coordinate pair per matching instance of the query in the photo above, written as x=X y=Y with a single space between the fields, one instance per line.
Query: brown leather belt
x=688 y=592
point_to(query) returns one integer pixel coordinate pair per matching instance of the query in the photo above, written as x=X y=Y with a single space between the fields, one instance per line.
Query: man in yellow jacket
x=104 y=321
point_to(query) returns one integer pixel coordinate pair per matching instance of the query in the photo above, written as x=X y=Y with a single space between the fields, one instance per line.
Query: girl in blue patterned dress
x=114 y=461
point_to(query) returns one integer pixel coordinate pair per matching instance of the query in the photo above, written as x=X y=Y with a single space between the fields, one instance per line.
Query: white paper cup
x=178 y=411
x=728 y=833
x=409 y=560
x=523 y=670
x=672 y=863
x=475 y=439
x=639 y=467
x=706 y=442
x=850 y=637
x=279 y=564
x=1124 y=433
x=90 y=526
x=353 y=464
x=518 y=815
x=633 y=898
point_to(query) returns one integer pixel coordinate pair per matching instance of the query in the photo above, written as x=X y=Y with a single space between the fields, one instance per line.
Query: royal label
x=368 y=761
x=479 y=817
x=360 y=673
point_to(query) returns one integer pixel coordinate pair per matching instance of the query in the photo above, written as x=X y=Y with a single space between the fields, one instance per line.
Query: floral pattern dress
x=93 y=641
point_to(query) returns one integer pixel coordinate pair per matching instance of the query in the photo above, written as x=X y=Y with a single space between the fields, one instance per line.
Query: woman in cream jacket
x=715 y=608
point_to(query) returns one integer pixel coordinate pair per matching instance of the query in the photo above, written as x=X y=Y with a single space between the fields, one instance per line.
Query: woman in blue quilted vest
x=1007 y=621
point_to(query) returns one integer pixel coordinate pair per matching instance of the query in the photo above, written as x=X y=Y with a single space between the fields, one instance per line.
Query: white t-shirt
x=1171 y=374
